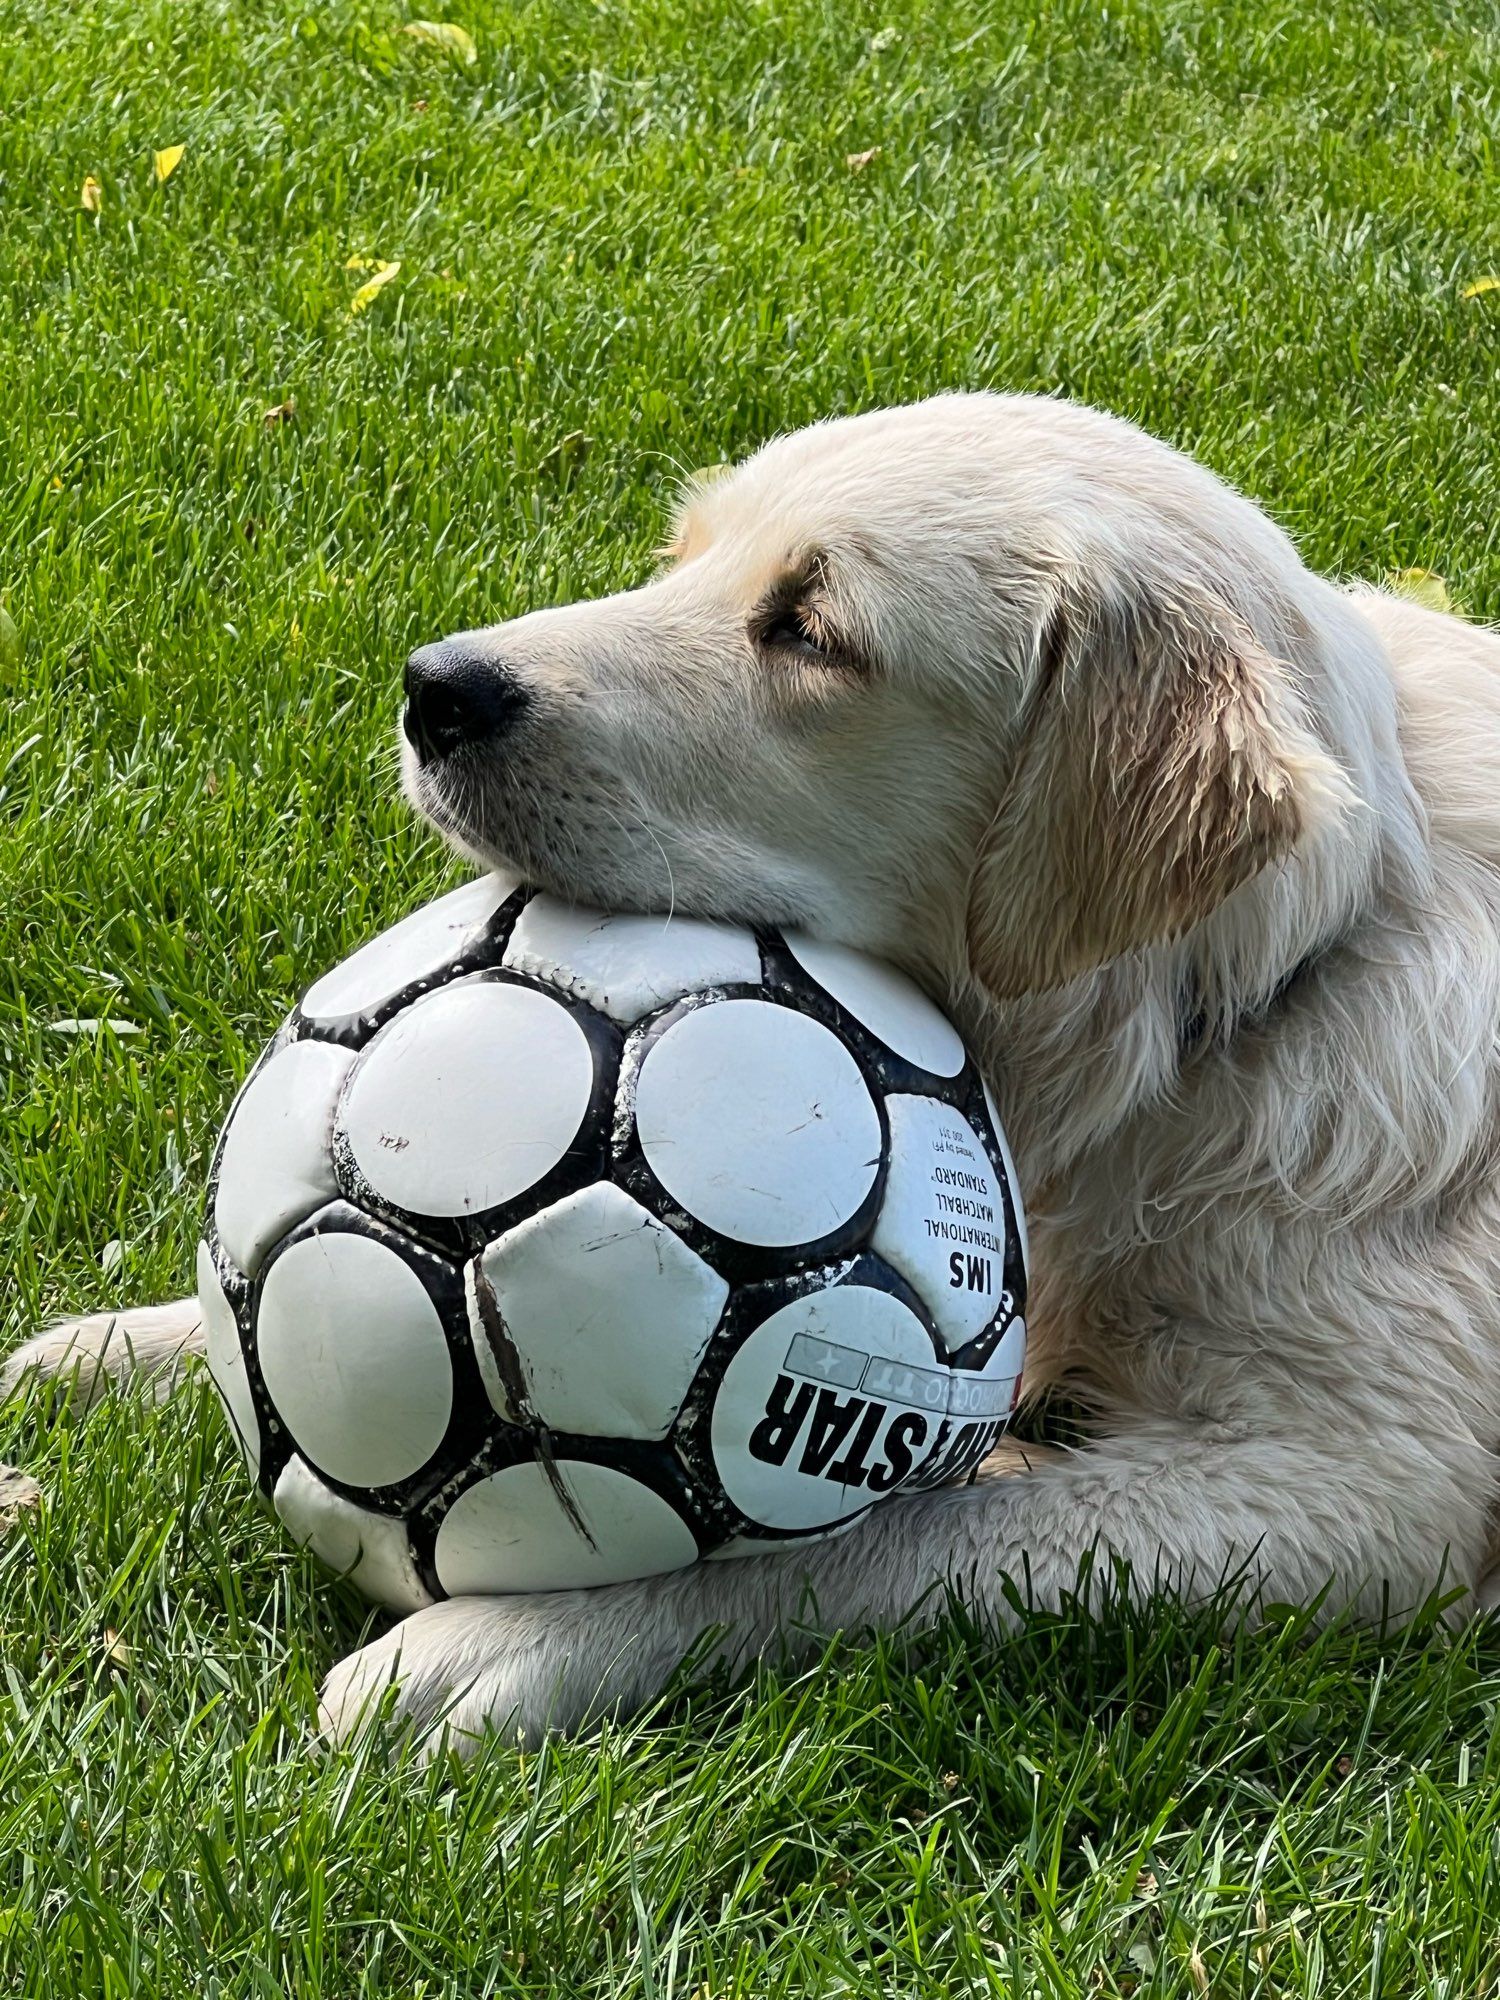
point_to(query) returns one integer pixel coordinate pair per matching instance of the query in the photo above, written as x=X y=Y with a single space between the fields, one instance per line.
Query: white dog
x=1204 y=854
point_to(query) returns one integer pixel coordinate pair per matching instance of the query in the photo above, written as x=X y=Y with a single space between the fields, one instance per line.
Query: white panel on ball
x=354 y=1358
x=628 y=966
x=372 y=1550
x=510 y=1531
x=757 y=1120
x=832 y=1402
x=226 y=1358
x=608 y=1310
x=413 y=950
x=889 y=1004
x=276 y=1167
x=468 y=1098
x=942 y=1218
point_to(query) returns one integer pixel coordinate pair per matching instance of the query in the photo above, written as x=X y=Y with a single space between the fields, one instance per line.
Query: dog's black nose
x=454 y=698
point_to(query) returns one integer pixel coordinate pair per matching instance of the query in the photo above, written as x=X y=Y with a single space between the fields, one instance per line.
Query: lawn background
x=632 y=243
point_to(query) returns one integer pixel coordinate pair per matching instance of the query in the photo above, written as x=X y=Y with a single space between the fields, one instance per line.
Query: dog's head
x=987 y=684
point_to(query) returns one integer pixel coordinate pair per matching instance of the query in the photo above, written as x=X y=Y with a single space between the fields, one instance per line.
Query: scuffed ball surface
x=440 y=1118
x=610 y=1312
x=757 y=1122
x=548 y=1247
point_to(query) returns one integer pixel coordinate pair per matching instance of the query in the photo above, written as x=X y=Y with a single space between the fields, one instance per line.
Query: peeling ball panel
x=892 y=1007
x=608 y=1312
x=354 y=1357
x=758 y=1122
x=942 y=1217
x=372 y=1550
x=628 y=966
x=831 y=1403
x=403 y=959
x=512 y=1531
x=499 y=1369
x=467 y=1099
x=276 y=1166
x=226 y=1358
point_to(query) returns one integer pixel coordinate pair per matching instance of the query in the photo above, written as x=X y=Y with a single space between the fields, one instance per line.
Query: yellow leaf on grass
x=167 y=161
x=1480 y=286
x=445 y=35
x=1422 y=586
x=358 y=263
x=91 y=195
x=372 y=288
x=857 y=162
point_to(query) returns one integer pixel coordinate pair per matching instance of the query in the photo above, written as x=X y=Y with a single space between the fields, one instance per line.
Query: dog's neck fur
x=1093 y=1077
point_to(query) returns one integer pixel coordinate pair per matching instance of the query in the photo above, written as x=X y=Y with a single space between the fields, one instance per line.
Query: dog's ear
x=1162 y=767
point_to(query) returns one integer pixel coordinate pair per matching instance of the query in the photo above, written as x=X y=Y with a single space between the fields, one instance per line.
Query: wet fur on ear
x=1163 y=766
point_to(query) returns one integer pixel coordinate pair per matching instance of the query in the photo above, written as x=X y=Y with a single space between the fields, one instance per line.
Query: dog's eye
x=789 y=631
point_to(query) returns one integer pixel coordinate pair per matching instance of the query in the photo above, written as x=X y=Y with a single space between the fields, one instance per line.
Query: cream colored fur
x=1089 y=749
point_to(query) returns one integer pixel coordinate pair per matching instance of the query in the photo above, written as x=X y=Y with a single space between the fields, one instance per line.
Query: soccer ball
x=548 y=1248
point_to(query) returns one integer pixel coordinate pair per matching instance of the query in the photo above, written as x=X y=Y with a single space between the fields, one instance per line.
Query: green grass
x=630 y=245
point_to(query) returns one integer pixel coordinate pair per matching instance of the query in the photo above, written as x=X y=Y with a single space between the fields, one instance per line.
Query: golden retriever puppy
x=1204 y=855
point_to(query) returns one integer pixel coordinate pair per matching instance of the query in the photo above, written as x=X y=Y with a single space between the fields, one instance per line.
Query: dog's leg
x=105 y=1348
x=1188 y=1506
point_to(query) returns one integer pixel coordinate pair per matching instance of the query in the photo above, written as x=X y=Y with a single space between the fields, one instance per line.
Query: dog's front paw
x=521 y=1667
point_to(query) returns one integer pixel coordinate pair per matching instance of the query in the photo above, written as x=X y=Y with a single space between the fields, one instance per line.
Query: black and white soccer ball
x=550 y=1248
